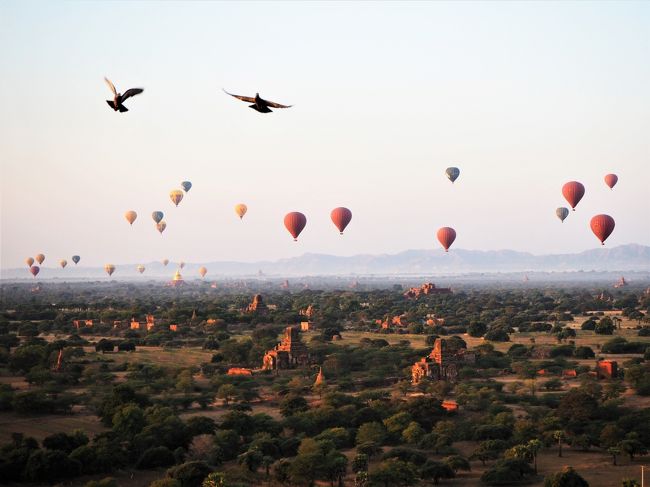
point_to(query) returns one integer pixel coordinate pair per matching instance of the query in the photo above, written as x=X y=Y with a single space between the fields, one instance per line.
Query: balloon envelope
x=29 y=261
x=295 y=222
x=186 y=185
x=157 y=216
x=140 y=268
x=341 y=217
x=40 y=258
x=573 y=191
x=181 y=264
x=562 y=213
x=63 y=263
x=611 y=180
x=602 y=226
x=165 y=262
x=176 y=196
x=203 y=271
x=109 y=268
x=130 y=216
x=452 y=173
x=241 y=210
x=76 y=259
x=161 y=227
x=34 y=270
x=446 y=237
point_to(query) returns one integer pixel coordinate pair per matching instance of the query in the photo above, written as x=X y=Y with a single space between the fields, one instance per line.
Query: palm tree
x=534 y=446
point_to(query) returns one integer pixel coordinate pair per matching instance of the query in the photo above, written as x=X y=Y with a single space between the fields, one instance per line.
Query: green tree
x=393 y=472
x=435 y=471
x=566 y=478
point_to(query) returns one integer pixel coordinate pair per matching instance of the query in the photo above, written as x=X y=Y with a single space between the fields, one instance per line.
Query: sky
x=521 y=96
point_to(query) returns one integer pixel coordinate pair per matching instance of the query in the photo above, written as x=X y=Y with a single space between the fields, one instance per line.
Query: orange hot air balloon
x=161 y=227
x=140 y=268
x=241 y=210
x=63 y=263
x=295 y=222
x=341 y=217
x=203 y=271
x=109 y=268
x=130 y=216
x=602 y=226
x=29 y=261
x=611 y=180
x=40 y=258
x=446 y=237
x=176 y=196
x=34 y=270
x=165 y=262
x=573 y=191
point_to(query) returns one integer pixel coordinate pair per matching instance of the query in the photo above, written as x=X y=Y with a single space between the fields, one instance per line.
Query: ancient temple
x=441 y=364
x=425 y=289
x=257 y=305
x=177 y=281
x=289 y=353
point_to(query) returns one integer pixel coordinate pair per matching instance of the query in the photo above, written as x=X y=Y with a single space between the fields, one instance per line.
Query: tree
x=251 y=459
x=632 y=447
x=189 y=474
x=156 y=457
x=435 y=471
x=215 y=479
x=129 y=420
x=488 y=450
x=507 y=471
x=566 y=478
x=360 y=463
x=534 y=446
x=104 y=345
x=614 y=452
x=292 y=405
x=227 y=392
x=394 y=472
x=48 y=466
x=605 y=326
x=559 y=437
x=372 y=432
x=457 y=462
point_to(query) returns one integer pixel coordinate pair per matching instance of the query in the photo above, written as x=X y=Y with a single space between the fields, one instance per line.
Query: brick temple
x=441 y=363
x=289 y=353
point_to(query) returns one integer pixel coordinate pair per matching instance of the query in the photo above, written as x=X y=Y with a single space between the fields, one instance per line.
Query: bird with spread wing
x=119 y=98
x=258 y=103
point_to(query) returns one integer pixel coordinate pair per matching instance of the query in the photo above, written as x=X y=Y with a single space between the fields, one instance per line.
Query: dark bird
x=258 y=103
x=119 y=98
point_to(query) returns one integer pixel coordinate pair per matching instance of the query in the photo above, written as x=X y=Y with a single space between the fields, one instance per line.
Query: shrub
x=159 y=456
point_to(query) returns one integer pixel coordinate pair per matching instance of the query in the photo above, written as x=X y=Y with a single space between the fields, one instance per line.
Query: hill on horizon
x=631 y=257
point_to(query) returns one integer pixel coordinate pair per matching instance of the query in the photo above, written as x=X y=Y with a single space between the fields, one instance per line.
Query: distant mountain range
x=430 y=262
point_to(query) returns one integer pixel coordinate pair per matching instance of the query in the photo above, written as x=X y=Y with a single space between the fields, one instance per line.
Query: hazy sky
x=521 y=96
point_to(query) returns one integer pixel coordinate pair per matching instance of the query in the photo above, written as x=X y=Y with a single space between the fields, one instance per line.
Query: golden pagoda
x=178 y=279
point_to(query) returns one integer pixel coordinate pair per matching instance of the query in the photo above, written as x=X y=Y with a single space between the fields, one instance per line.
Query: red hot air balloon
x=446 y=237
x=611 y=180
x=34 y=270
x=295 y=222
x=602 y=226
x=341 y=218
x=573 y=191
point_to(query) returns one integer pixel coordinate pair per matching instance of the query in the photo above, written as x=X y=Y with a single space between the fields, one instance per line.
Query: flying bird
x=119 y=98
x=258 y=103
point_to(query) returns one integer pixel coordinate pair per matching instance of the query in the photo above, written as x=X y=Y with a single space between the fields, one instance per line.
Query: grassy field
x=165 y=357
x=41 y=426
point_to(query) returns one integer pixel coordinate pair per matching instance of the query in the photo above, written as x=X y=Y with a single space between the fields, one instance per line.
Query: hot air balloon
x=34 y=270
x=157 y=216
x=203 y=271
x=130 y=216
x=611 y=180
x=109 y=268
x=295 y=222
x=186 y=185
x=446 y=237
x=602 y=226
x=40 y=258
x=76 y=259
x=452 y=173
x=341 y=218
x=241 y=210
x=176 y=196
x=562 y=213
x=161 y=227
x=63 y=263
x=165 y=262
x=29 y=261
x=140 y=268
x=573 y=191
x=181 y=264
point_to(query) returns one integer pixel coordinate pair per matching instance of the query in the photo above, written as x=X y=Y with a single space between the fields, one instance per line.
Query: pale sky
x=521 y=96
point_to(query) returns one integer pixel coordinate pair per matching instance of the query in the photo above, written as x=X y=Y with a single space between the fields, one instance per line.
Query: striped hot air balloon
x=611 y=180
x=562 y=213
x=109 y=268
x=76 y=259
x=573 y=191
x=241 y=210
x=446 y=237
x=157 y=216
x=602 y=226
x=452 y=173
x=295 y=223
x=130 y=216
x=341 y=217
x=176 y=196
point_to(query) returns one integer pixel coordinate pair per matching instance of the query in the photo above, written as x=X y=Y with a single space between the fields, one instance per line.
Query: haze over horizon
x=521 y=96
